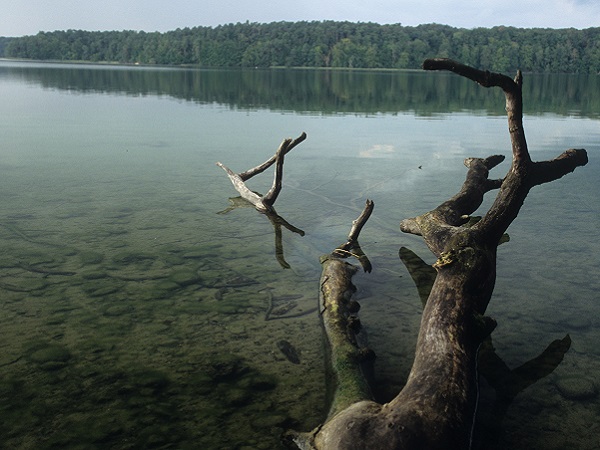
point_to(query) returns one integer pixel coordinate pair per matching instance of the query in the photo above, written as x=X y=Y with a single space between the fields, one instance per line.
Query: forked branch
x=523 y=174
x=263 y=203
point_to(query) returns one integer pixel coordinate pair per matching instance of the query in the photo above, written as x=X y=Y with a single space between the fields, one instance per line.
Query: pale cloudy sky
x=21 y=17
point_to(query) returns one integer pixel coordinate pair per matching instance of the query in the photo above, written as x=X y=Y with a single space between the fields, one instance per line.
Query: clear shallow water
x=135 y=316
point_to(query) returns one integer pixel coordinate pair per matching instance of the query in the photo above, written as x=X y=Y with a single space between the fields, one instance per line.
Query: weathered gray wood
x=263 y=203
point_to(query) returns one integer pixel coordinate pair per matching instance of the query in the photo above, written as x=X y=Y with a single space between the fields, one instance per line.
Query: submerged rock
x=90 y=257
x=577 y=388
x=224 y=367
x=50 y=357
x=289 y=351
x=185 y=277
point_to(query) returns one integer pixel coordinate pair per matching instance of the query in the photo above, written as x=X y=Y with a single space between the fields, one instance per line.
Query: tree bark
x=436 y=407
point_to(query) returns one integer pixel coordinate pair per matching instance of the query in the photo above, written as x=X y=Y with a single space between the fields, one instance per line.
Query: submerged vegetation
x=323 y=44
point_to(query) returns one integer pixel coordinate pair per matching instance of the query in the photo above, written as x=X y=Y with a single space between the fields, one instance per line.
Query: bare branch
x=483 y=77
x=263 y=203
x=359 y=223
x=241 y=187
x=352 y=247
x=269 y=162
x=524 y=174
x=546 y=171
x=270 y=197
x=437 y=224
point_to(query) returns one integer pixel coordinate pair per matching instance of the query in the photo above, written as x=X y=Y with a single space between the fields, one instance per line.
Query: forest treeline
x=324 y=44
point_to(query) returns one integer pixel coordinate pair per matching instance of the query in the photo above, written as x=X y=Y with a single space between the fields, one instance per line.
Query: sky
x=26 y=17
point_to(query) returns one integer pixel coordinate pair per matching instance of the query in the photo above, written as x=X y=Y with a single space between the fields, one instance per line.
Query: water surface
x=140 y=311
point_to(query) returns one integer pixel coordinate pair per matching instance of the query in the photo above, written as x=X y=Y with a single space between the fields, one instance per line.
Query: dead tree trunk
x=436 y=407
x=506 y=383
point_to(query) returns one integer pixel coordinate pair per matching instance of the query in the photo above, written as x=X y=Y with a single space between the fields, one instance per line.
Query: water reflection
x=276 y=220
x=321 y=91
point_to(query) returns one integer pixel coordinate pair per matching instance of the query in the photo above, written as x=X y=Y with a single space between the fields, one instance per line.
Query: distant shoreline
x=316 y=45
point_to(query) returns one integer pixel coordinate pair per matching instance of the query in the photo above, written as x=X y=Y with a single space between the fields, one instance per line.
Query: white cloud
x=378 y=151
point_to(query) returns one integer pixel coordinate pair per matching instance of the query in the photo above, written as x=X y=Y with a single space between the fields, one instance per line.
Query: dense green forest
x=324 y=44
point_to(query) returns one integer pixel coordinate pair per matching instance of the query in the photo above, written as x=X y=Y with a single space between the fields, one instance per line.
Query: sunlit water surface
x=141 y=308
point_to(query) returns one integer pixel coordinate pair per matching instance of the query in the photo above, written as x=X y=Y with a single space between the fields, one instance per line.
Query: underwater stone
x=132 y=257
x=101 y=292
x=90 y=257
x=36 y=284
x=94 y=275
x=200 y=254
x=203 y=384
x=258 y=382
x=151 y=379
x=236 y=397
x=102 y=287
x=51 y=357
x=118 y=310
x=577 y=388
x=578 y=322
x=225 y=367
x=166 y=285
x=226 y=308
x=185 y=277
x=289 y=351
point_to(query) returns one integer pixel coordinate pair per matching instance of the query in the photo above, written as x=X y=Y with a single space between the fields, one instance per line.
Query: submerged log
x=436 y=407
x=350 y=358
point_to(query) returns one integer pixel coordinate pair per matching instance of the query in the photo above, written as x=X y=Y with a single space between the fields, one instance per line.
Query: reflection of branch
x=277 y=221
x=509 y=383
x=423 y=274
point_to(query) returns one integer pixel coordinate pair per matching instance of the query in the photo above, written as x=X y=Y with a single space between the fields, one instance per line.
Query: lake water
x=141 y=308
